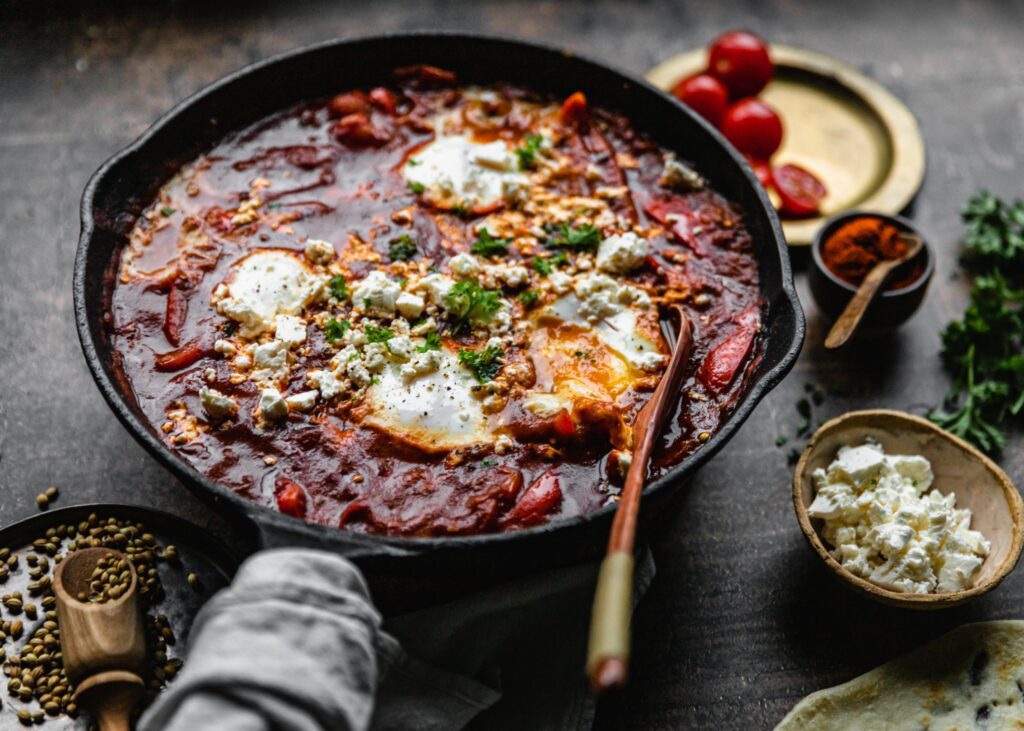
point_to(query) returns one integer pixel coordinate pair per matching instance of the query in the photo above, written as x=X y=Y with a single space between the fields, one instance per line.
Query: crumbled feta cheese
x=401 y=347
x=290 y=330
x=647 y=360
x=422 y=364
x=358 y=373
x=679 y=175
x=622 y=253
x=216 y=404
x=272 y=355
x=409 y=305
x=272 y=405
x=303 y=401
x=512 y=276
x=503 y=444
x=436 y=286
x=343 y=357
x=544 y=405
x=376 y=294
x=501 y=321
x=375 y=357
x=428 y=325
x=465 y=265
x=326 y=383
x=225 y=348
x=885 y=526
x=560 y=282
x=319 y=252
x=598 y=295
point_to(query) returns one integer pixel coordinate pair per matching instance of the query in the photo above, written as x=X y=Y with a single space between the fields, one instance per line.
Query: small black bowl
x=892 y=307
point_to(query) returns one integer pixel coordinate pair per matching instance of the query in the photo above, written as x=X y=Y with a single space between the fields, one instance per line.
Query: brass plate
x=859 y=139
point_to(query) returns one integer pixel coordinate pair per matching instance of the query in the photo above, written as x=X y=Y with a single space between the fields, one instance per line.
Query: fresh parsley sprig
x=489 y=246
x=584 y=237
x=402 y=249
x=527 y=152
x=484 y=364
x=468 y=303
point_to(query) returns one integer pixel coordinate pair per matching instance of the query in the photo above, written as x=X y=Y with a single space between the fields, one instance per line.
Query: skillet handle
x=278 y=531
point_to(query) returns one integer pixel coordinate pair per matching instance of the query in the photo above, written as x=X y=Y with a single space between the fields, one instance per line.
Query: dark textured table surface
x=742 y=620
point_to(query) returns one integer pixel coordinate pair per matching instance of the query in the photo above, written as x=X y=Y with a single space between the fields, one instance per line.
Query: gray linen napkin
x=295 y=643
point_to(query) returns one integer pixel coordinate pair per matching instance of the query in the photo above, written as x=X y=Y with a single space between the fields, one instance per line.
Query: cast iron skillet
x=126 y=183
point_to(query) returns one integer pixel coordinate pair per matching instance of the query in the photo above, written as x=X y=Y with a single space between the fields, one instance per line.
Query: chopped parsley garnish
x=461 y=211
x=487 y=462
x=468 y=302
x=229 y=328
x=417 y=188
x=488 y=246
x=378 y=334
x=582 y=354
x=167 y=211
x=580 y=238
x=528 y=298
x=413 y=162
x=338 y=287
x=527 y=153
x=402 y=249
x=431 y=342
x=484 y=364
x=541 y=266
x=336 y=329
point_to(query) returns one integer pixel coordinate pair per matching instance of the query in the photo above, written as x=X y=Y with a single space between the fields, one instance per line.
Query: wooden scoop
x=608 y=653
x=103 y=644
x=850 y=318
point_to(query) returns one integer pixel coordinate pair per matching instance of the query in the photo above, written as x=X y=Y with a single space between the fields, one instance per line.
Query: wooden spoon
x=103 y=644
x=850 y=318
x=608 y=651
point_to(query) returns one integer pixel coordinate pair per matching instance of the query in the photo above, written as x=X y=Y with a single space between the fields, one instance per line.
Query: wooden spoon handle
x=847 y=323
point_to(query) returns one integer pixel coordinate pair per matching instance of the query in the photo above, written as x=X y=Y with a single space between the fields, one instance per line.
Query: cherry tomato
x=753 y=127
x=291 y=499
x=705 y=95
x=763 y=171
x=800 y=191
x=740 y=60
x=536 y=503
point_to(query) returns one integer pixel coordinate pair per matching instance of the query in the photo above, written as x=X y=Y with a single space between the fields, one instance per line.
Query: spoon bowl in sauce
x=980 y=486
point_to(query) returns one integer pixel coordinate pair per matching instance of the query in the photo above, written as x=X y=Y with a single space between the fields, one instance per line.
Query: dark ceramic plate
x=125 y=183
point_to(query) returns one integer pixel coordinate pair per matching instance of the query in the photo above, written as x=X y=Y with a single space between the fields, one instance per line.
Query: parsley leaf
x=378 y=334
x=995 y=230
x=484 y=364
x=487 y=245
x=541 y=266
x=339 y=288
x=467 y=302
x=417 y=188
x=527 y=153
x=461 y=211
x=167 y=211
x=230 y=328
x=402 y=249
x=528 y=298
x=336 y=329
x=579 y=238
x=431 y=342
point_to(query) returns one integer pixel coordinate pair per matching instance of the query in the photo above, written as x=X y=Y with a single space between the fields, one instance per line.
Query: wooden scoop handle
x=111 y=697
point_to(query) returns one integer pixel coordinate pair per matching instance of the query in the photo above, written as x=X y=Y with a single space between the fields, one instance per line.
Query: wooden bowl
x=978 y=482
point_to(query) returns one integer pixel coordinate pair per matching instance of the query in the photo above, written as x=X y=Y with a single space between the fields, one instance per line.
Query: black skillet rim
x=259 y=516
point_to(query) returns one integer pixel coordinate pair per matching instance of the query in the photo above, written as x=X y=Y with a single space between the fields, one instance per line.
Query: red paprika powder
x=857 y=246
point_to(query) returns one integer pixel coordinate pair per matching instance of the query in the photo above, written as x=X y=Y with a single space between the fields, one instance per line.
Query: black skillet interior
x=126 y=183
x=200 y=552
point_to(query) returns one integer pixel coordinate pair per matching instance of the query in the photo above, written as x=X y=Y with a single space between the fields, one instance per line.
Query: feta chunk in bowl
x=874 y=495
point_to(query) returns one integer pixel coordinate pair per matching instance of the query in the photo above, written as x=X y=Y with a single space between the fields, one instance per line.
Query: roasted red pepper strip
x=673 y=213
x=291 y=498
x=176 y=312
x=183 y=357
x=538 y=501
x=725 y=360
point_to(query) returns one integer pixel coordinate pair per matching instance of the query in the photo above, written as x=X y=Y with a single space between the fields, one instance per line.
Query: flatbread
x=970 y=678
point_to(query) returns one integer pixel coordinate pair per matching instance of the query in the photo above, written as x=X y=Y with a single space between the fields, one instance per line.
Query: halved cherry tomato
x=740 y=60
x=183 y=357
x=291 y=498
x=800 y=191
x=705 y=95
x=538 y=501
x=564 y=426
x=753 y=127
x=724 y=361
x=574 y=110
x=342 y=105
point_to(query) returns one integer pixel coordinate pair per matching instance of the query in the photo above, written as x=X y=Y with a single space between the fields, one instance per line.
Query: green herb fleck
x=781 y=440
x=402 y=249
x=541 y=266
x=528 y=298
x=413 y=162
x=336 y=329
x=229 y=328
x=417 y=188
x=488 y=246
x=580 y=238
x=430 y=342
x=527 y=152
x=339 y=288
x=467 y=302
x=484 y=364
x=487 y=462
x=167 y=211
x=461 y=211
x=378 y=334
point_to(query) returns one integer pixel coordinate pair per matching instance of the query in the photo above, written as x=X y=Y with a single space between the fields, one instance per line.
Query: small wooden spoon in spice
x=101 y=633
x=846 y=325
x=608 y=651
